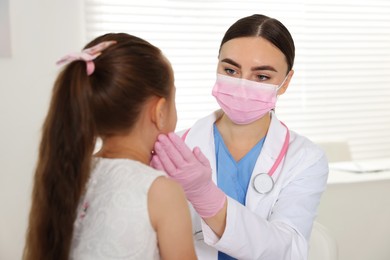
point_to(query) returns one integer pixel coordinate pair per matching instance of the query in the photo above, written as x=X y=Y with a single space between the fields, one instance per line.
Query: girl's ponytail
x=68 y=140
x=64 y=163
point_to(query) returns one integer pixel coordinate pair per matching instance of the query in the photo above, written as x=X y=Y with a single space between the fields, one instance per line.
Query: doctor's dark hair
x=267 y=28
x=83 y=108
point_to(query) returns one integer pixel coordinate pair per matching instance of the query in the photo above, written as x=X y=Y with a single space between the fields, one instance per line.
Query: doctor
x=257 y=193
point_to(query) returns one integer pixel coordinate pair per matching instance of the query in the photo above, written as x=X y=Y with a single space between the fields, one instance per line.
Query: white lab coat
x=275 y=226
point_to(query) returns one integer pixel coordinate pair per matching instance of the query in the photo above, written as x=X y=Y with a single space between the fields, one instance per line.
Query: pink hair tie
x=87 y=55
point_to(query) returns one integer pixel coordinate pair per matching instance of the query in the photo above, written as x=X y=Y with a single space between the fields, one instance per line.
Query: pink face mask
x=244 y=101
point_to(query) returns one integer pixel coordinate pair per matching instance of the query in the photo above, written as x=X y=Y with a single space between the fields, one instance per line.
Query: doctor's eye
x=262 y=77
x=230 y=71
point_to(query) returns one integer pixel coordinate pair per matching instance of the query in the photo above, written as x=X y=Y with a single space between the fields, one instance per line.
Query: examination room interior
x=339 y=97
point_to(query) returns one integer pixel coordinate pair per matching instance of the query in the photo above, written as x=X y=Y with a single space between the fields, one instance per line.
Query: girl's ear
x=286 y=83
x=159 y=113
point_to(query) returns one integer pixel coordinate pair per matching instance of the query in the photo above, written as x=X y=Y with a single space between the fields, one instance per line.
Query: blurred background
x=339 y=96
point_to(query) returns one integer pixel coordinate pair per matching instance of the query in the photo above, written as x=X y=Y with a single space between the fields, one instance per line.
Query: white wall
x=41 y=32
x=357 y=215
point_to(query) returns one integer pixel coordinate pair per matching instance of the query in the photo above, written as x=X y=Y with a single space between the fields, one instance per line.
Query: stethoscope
x=263 y=183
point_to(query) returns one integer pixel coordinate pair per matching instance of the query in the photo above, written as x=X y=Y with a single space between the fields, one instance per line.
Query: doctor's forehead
x=252 y=51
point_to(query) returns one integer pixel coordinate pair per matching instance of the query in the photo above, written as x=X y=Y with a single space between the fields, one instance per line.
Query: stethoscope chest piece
x=263 y=183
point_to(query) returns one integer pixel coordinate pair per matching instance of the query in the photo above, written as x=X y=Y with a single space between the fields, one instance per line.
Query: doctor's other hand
x=191 y=170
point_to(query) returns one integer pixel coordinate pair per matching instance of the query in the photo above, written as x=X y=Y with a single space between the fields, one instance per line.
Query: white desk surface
x=359 y=171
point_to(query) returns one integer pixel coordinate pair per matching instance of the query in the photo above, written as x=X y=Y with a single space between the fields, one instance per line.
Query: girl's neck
x=122 y=147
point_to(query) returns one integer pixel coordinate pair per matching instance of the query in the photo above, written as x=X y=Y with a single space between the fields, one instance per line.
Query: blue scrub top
x=233 y=177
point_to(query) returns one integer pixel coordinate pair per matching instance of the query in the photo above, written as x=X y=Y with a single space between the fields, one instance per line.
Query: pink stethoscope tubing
x=263 y=183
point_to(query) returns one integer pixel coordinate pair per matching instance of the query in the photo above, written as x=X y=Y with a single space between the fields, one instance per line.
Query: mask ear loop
x=281 y=84
x=279 y=87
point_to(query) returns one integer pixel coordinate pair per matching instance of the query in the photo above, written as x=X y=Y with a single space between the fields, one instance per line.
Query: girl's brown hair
x=83 y=108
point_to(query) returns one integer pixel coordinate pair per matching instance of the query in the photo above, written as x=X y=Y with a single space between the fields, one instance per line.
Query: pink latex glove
x=192 y=170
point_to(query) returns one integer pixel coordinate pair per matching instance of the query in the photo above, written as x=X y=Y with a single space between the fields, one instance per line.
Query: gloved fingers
x=201 y=157
x=181 y=147
x=164 y=159
x=175 y=156
x=156 y=163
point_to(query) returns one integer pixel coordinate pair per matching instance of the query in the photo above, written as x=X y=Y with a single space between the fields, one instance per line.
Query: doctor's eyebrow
x=265 y=67
x=231 y=62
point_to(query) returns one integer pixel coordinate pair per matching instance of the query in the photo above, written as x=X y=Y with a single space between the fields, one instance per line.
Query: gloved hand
x=192 y=170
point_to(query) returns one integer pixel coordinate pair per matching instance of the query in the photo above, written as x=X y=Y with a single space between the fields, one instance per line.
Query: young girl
x=110 y=205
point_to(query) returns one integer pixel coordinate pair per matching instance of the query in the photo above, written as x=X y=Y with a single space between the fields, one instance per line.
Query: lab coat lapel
x=270 y=151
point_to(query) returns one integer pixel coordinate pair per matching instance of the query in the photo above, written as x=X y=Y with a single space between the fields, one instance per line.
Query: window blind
x=341 y=86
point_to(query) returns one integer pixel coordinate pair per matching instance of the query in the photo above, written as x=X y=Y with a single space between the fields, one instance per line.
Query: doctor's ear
x=286 y=83
x=159 y=113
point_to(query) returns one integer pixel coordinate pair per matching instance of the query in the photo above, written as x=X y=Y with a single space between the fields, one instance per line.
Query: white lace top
x=112 y=218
